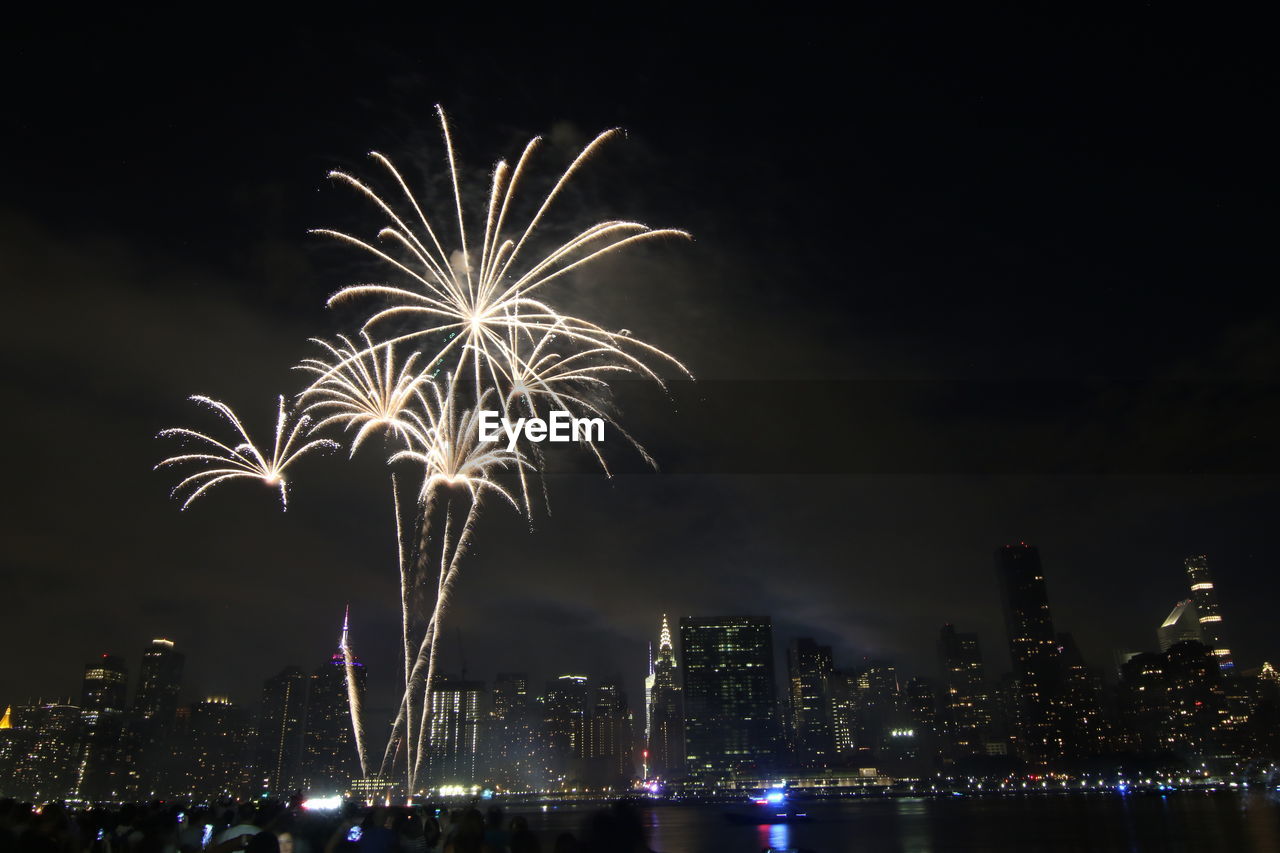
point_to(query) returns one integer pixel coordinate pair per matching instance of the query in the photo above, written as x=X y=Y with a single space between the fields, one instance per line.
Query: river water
x=1181 y=821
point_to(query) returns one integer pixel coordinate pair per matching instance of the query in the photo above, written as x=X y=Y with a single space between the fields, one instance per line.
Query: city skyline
x=1109 y=664
x=718 y=714
x=157 y=690
x=943 y=295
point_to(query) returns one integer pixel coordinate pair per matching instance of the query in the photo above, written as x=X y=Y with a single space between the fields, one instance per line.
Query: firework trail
x=457 y=470
x=227 y=462
x=353 y=694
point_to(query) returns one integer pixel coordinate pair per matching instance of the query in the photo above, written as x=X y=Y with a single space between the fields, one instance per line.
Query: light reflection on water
x=1190 y=821
x=776 y=836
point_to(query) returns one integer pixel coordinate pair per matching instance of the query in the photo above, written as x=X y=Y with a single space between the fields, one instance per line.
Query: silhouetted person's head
x=524 y=841
x=263 y=842
x=617 y=829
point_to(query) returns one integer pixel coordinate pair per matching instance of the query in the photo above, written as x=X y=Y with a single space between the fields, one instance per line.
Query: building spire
x=664 y=640
x=343 y=645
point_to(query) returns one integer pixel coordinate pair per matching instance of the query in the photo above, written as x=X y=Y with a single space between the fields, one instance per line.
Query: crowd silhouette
x=276 y=827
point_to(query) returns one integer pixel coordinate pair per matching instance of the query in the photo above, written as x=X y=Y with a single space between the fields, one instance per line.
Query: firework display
x=220 y=462
x=488 y=338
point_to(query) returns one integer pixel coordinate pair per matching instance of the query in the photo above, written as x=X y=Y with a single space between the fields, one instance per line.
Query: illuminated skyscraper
x=844 y=712
x=1034 y=649
x=46 y=765
x=330 y=758
x=217 y=751
x=966 y=704
x=1182 y=623
x=664 y=712
x=103 y=715
x=280 y=732
x=809 y=670
x=565 y=722
x=731 y=700
x=453 y=739
x=1210 y=616
x=610 y=739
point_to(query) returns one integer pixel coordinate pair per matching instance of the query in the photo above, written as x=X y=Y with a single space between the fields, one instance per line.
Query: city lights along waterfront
x=870 y=752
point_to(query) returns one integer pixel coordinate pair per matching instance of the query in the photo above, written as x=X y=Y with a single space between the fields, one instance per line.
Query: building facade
x=664 y=712
x=966 y=702
x=149 y=761
x=1182 y=624
x=104 y=711
x=280 y=731
x=731 y=703
x=454 y=733
x=1034 y=650
x=1209 y=614
x=809 y=672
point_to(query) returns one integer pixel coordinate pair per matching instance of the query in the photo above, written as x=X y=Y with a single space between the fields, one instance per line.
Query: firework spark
x=480 y=305
x=365 y=390
x=455 y=456
x=227 y=462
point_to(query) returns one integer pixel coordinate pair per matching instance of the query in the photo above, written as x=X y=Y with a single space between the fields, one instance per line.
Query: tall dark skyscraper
x=809 y=671
x=280 y=732
x=565 y=723
x=1034 y=649
x=103 y=715
x=330 y=758
x=155 y=705
x=664 y=712
x=610 y=736
x=105 y=685
x=966 y=704
x=878 y=706
x=215 y=750
x=731 y=700
x=1210 y=615
x=159 y=682
x=1085 y=728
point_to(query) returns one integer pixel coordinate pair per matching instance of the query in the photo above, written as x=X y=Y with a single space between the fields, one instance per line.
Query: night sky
x=954 y=283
